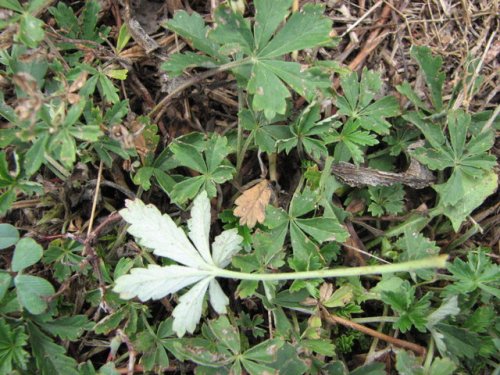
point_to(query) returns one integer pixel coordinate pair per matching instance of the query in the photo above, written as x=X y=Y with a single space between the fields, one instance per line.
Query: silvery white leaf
x=218 y=299
x=225 y=246
x=439 y=341
x=199 y=225
x=187 y=313
x=156 y=282
x=159 y=232
x=448 y=307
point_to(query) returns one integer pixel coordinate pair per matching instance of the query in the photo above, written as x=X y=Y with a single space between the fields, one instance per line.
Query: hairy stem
x=431 y=262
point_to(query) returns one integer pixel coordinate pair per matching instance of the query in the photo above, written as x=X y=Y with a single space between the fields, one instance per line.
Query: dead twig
x=334 y=319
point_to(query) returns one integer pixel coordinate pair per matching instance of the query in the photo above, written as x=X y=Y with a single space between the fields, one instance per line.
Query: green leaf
x=323 y=229
x=5 y=281
x=193 y=29
x=50 y=358
x=288 y=362
x=443 y=366
x=407 y=364
x=213 y=166
x=340 y=297
x=371 y=369
x=268 y=16
x=187 y=189
x=188 y=156
x=352 y=138
x=386 y=199
x=232 y=29
x=256 y=368
x=66 y=19
x=63 y=145
x=179 y=62
x=226 y=334
x=468 y=194
x=68 y=327
x=12 y=5
x=123 y=38
x=269 y=93
x=257 y=66
x=31 y=31
x=32 y=292
x=434 y=78
x=411 y=312
x=6 y=200
x=35 y=156
x=120 y=74
x=303 y=247
x=481 y=319
x=265 y=351
x=292 y=36
x=9 y=235
x=406 y=90
x=153 y=345
x=416 y=246
x=477 y=272
x=12 y=354
x=456 y=342
x=215 y=152
x=74 y=113
x=107 y=89
x=89 y=20
x=356 y=102
x=27 y=253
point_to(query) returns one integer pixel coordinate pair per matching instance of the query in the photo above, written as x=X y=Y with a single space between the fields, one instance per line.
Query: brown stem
x=370 y=43
x=334 y=319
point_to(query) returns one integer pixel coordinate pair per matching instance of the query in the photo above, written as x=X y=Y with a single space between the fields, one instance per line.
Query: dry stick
x=369 y=44
x=361 y=19
x=96 y=196
x=464 y=94
x=334 y=319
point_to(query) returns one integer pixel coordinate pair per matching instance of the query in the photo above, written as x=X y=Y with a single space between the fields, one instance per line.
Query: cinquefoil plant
x=160 y=233
x=201 y=267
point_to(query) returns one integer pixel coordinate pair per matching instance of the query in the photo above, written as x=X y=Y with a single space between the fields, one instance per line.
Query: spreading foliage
x=239 y=286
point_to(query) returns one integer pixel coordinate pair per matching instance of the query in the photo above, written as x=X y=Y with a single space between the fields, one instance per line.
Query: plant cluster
x=266 y=278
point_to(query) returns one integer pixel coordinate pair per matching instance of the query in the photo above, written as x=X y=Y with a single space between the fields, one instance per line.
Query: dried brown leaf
x=251 y=205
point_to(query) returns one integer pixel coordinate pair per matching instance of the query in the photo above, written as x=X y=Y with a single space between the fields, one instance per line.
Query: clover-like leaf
x=160 y=233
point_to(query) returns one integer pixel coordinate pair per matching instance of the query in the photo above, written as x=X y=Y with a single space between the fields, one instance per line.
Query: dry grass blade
x=251 y=205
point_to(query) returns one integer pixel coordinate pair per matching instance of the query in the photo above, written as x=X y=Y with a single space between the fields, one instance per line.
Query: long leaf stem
x=431 y=262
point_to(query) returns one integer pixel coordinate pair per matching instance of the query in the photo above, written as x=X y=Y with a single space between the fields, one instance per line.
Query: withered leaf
x=251 y=205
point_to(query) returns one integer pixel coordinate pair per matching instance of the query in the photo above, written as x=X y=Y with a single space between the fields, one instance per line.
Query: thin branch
x=334 y=319
x=161 y=107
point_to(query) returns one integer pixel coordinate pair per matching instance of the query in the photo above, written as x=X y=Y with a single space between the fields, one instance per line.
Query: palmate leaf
x=412 y=312
x=434 y=78
x=478 y=272
x=358 y=94
x=161 y=234
x=259 y=49
x=207 y=158
x=416 y=246
x=50 y=358
x=472 y=179
x=12 y=354
x=306 y=234
x=304 y=133
x=350 y=139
